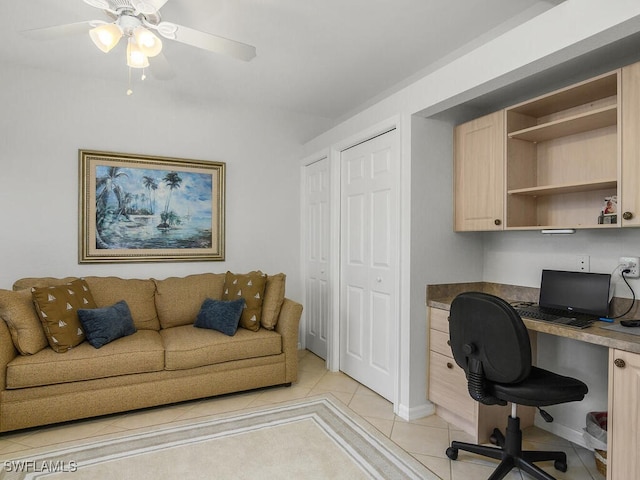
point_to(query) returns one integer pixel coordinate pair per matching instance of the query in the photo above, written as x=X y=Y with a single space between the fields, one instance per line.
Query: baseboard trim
x=562 y=431
x=413 y=413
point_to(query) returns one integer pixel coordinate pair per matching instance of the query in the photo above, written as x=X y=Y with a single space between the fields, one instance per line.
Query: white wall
x=560 y=34
x=518 y=258
x=47 y=117
x=437 y=253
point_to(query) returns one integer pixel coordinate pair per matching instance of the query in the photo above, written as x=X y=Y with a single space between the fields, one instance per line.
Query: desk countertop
x=441 y=296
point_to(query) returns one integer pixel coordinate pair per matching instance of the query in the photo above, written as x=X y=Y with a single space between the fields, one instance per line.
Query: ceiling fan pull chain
x=129 y=90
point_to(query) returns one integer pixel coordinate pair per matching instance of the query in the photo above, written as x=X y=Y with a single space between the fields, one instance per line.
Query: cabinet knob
x=449 y=365
x=627 y=215
x=497 y=221
x=620 y=363
x=449 y=342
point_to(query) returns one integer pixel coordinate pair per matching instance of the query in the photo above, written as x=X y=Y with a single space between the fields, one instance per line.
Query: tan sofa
x=166 y=360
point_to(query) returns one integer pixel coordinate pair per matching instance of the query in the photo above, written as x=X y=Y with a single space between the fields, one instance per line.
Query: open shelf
x=562 y=158
x=564 y=188
x=569 y=97
x=592 y=120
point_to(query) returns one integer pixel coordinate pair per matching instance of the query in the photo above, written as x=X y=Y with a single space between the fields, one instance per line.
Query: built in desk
x=448 y=386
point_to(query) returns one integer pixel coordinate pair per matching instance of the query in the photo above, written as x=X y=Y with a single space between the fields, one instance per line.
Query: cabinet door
x=629 y=204
x=624 y=416
x=479 y=174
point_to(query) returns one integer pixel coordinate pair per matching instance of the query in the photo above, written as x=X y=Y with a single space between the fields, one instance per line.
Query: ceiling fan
x=136 y=21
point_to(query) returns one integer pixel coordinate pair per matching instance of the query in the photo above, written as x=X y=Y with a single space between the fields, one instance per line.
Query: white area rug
x=316 y=438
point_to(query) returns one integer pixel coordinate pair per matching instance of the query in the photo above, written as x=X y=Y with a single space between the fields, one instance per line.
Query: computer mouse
x=630 y=323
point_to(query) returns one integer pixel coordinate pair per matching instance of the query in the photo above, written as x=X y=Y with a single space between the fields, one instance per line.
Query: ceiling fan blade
x=206 y=41
x=161 y=68
x=51 y=33
x=148 y=6
x=101 y=4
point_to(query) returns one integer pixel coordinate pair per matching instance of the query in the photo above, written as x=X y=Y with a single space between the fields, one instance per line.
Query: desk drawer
x=439 y=342
x=448 y=386
x=439 y=319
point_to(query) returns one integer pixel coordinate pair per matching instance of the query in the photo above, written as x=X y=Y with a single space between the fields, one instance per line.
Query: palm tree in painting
x=151 y=185
x=106 y=185
x=126 y=204
x=173 y=181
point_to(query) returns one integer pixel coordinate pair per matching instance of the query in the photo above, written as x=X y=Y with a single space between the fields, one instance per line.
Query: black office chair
x=490 y=342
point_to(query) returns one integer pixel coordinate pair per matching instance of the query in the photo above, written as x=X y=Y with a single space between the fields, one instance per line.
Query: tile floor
x=426 y=438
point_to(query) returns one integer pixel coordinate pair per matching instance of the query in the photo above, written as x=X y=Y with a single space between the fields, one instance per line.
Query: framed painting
x=138 y=208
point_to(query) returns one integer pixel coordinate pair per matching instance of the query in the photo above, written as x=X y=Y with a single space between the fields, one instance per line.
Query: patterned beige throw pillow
x=249 y=286
x=58 y=310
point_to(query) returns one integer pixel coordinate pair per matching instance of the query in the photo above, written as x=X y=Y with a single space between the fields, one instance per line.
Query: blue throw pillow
x=103 y=325
x=220 y=315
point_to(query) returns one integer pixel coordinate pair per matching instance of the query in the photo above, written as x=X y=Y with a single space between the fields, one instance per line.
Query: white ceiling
x=323 y=58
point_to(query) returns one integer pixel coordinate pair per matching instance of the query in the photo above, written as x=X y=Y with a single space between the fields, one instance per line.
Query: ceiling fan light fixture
x=135 y=57
x=106 y=36
x=147 y=41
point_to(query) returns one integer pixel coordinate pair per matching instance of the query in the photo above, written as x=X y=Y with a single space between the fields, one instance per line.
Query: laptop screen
x=575 y=291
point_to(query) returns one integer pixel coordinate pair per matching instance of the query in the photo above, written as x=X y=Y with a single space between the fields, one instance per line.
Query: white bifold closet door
x=369 y=260
x=316 y=248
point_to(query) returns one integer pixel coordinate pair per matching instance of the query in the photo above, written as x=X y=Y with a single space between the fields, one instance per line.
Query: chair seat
x=539 y=389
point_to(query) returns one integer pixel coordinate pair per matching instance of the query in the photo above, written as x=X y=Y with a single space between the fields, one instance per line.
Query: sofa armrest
x=288 y=326
x=7 y=352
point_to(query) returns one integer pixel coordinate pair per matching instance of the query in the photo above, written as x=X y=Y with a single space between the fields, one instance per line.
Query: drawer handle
x=449 y=365
x=620 y=363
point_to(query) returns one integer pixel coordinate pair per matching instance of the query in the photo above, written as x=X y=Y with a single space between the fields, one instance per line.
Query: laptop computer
x=575 y=299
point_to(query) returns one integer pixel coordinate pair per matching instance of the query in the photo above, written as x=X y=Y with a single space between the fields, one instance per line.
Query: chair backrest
x=488 y=337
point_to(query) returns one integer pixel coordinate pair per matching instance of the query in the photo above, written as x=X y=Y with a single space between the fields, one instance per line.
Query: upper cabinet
x=563 y=156
x=554 y=161
x=629 y=204
x=479 y=174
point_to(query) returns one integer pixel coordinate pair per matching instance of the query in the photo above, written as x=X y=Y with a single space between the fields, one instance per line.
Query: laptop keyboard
x=579 y=321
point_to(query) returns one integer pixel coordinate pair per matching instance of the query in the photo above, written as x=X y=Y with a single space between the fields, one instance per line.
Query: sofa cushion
x=28 y=283
x=138 y=353
x=106 y=324
x=190 y=347
x=139 y=295
x=273 y=298
x=249 y=286
x=18 y=311
x=220 y=315
x=178 y=300
x=58 y=308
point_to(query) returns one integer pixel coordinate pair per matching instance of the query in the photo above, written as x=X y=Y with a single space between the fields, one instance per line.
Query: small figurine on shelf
x=610 y=204
x=610 y=212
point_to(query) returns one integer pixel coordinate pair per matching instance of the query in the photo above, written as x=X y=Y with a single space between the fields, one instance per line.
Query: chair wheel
x=497 y=438
x=560 y=465
x=452 y=453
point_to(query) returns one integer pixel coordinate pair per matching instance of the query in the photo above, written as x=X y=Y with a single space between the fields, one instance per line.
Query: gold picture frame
x=141 y=208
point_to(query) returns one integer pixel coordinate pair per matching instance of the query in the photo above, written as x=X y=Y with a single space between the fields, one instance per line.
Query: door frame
x=402 y=124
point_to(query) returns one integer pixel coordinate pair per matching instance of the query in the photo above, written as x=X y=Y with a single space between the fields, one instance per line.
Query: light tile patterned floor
x=426 y=438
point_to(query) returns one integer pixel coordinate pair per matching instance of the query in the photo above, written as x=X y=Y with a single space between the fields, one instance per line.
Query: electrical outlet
x=631 y=263
x=584 y=263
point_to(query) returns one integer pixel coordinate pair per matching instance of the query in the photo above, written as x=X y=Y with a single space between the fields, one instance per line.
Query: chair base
x=509 y=451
